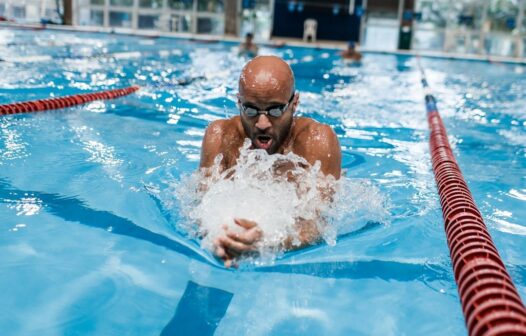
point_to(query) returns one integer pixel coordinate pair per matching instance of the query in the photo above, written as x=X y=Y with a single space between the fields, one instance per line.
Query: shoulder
x=218 y=129
x=307 y=129
x=318 y=142
x=316 y=136
x=219 y=136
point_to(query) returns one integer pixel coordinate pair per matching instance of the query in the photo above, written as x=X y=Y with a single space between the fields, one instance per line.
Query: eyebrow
x=272 y=104
x=265 y=107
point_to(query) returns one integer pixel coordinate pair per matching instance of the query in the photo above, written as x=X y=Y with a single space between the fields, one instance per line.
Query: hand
x=233 y=244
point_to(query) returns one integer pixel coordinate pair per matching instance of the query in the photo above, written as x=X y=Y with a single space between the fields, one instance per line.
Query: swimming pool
x=87 y=249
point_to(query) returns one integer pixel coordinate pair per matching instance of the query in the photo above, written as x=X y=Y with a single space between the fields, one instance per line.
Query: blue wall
x=289 y=19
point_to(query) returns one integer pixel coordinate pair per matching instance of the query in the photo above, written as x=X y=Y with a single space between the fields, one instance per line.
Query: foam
x=273 y=190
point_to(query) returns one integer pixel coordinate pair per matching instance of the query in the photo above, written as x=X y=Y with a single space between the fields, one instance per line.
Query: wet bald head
x=266 y=78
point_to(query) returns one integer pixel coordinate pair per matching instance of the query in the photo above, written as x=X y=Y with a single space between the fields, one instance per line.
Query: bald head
x=269 y=76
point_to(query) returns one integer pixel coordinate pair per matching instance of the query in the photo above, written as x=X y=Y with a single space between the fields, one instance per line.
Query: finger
x=235 y=246
x=243 y=238
x=228 y=263
x=248 y=237
x=220 y=252
x=245 y=223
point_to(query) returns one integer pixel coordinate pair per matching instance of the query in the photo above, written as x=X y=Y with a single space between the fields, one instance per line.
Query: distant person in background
x=351 y=53
x=248 y=47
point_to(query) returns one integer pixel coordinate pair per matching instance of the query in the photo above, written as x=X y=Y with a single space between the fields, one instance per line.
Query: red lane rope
x=490 y=301
x=63 y=102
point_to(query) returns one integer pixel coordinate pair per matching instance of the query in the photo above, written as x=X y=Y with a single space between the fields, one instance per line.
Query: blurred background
x=479 y=27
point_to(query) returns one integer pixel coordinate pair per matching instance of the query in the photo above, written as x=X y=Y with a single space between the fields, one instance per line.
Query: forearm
x=307 y=234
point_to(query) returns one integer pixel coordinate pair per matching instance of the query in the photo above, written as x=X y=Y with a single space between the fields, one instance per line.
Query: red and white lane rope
x=63 y=102
x=490 y=301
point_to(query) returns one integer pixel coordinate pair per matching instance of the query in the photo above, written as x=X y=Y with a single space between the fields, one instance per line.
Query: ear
x=295 y=101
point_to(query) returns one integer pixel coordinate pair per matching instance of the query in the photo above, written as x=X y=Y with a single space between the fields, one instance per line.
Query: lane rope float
x=63 y=102
x=490 y=301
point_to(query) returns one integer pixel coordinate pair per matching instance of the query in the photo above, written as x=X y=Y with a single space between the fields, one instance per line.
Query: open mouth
x=263 y=141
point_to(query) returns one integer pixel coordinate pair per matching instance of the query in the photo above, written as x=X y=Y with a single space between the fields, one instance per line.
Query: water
x=256 y=189
x=89 y=246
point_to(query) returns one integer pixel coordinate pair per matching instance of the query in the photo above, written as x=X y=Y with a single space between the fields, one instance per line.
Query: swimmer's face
x=266 y=131
x=267 y=83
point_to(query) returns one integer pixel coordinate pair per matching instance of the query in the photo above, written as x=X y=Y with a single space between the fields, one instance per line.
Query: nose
x=263 y=122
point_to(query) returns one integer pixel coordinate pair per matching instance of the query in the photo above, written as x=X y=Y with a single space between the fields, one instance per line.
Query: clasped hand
x=230 y=246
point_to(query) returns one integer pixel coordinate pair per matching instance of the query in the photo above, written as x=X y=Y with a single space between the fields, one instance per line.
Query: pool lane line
x=122 y=55
x=199 y=311
x=490 y=301
x=63 y=102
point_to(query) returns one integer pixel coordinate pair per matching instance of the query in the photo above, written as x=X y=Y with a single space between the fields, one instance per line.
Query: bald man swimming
x=267 y=102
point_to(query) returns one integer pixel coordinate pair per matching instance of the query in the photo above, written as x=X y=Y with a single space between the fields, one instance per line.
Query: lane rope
x=490 y=301
x=63 y=102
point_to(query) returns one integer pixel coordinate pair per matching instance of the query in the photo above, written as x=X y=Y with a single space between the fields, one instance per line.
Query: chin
x=271 y=150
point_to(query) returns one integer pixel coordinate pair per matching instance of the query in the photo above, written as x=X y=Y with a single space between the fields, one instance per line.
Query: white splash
x=274 y=191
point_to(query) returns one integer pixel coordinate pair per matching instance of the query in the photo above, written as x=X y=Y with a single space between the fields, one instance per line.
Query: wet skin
x=351 y=54
x=267 y=82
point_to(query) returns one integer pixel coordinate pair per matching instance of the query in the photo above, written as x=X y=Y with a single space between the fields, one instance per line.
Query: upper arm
x=212 y=143
x=322 y=145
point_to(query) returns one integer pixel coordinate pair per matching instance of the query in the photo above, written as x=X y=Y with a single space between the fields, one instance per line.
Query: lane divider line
x=490 y=302
x=125 y=55
x=63 y=102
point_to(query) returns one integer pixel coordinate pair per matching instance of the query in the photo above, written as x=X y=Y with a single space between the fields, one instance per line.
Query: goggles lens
x=274 y=112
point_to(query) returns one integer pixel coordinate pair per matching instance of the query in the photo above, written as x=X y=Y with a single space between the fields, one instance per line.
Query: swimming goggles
x=275 y=111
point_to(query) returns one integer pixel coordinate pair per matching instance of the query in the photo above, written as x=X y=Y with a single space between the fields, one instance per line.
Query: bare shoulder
x=221 y=137
x=217 y=128
x=312 y=132
x=318 y=142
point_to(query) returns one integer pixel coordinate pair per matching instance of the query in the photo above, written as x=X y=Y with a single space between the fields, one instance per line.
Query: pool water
x=88 y=248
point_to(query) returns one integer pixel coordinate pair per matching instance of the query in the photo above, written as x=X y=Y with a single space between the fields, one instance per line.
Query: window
x=120 y=19
x=180 y=23
x=151 y=3
x=503 y=15
x=470 y=14
x=185 y=16
x=96 y=18
x=51 y=13
x=19 y=12
x=212 y=6
x=207 y=25
x=148 y=21
x=433 y=13
x=123 y=3
x=2 y=9
x=181 y=4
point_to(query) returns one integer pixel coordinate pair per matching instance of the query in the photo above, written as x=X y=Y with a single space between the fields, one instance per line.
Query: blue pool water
x=88 y=249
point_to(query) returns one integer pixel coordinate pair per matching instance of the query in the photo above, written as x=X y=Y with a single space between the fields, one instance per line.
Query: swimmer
x=184 y=81
x=267 y=103
x=248 y=47
x=351 y=53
